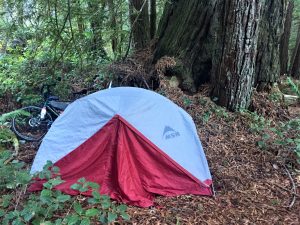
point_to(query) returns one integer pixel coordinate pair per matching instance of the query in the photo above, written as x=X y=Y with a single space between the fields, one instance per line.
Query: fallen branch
x=283 y=188
x=293 y=187
x=290 y=99
x=132 y=26
x=16 y=147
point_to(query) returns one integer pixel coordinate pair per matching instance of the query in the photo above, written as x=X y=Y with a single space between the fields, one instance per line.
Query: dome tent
x=135 y=143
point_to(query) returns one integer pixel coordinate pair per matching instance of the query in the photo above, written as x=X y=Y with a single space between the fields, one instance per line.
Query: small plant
x=293 y=86
x=44 y=207
x=12 y=174
x=106 y=210
x=285 y=134
x=6 y=135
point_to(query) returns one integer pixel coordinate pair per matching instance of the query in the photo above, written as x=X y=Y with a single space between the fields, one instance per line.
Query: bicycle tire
x=30 y=127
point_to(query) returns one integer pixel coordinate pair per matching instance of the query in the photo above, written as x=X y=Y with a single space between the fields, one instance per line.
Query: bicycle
x=34 y=121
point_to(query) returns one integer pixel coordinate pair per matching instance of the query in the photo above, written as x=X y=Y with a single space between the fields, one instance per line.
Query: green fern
x=6 y=135
x=8 y=116
x=293 y=86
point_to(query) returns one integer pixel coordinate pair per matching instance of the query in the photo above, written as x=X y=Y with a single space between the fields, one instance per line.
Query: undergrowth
x=50 y=206
x=283 y=135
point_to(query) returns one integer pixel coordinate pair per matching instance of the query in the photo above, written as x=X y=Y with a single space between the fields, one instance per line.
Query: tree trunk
x=139 y=19
x=96 y=19
x=20 y=13
x=113 y=26
x=235 y=52
x=152 y=18
x=284 y=43
x=270 y=32
x=218 y=41
x=185 y=31
x=79 y=18
x=295 y=63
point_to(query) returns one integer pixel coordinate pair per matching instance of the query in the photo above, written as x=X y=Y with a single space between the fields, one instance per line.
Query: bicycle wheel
x=29 y=126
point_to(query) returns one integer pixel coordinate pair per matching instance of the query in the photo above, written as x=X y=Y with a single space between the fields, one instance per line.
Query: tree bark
x=284 y=43
x=235 y=52
x=97 y=47
x=233 y=44
x=113 y=26
x=295 y=63
x=186 y=32
x=270 y=32
x=20 y=13
x=139 y=19
x=152 y=18
x=79 y=18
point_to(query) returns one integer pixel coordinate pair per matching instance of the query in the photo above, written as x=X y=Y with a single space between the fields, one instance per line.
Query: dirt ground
x=252 y=186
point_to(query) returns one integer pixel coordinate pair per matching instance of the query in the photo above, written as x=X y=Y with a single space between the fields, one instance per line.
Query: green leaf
x=83 y=189
x=28 y=216
x=73 y=219
x=111 y=217
x=85 y=221
x=46 y=193
x=122 y=208
x=261 y=144
x=92 y=212
x=266 y=136
x=76 y=186
x=47 y=185
x=56 y=182
x=81 y=180
x=78 y=208
x=18 y=221
x=103 y=218
x=2 y=212
x=93 y=201
x=46 y=223
x=96 y=194
x=55 y=169
x=63 y=198
x=6 y=199
x=125 y=216
x=93 y=185
x=46 y=196
x=10 y=215
x=105 y=204
x=58 y=222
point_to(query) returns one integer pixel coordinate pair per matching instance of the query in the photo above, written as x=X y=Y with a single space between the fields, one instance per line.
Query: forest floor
x=252 y=185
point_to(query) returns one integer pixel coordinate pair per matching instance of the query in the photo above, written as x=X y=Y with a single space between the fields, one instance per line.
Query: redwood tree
x=295 y=61
x=234 y=63
x=139 y=19
x=152 y=18
x=96 y=24
x=284 y=43
x=270 y=32
x=186 y=31
x=217 y=41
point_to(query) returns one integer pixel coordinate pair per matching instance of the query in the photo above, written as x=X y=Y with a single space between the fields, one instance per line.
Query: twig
x=132 y=26
x=19 y=196
x=283 y=188
x=145 y=82
x=15 y=154
x=293 y=187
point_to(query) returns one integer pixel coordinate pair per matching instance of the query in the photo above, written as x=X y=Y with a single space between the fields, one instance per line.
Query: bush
x=51 y=206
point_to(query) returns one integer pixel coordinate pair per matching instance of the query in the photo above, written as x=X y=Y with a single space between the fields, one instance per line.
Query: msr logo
x=169 y=133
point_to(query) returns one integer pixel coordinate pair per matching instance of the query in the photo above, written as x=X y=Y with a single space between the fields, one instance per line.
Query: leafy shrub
x=283 y=134
x=44 y=208
x=6 y=135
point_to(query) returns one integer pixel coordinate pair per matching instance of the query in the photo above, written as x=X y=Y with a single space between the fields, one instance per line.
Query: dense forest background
x=46 y=41
x=234 y=66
